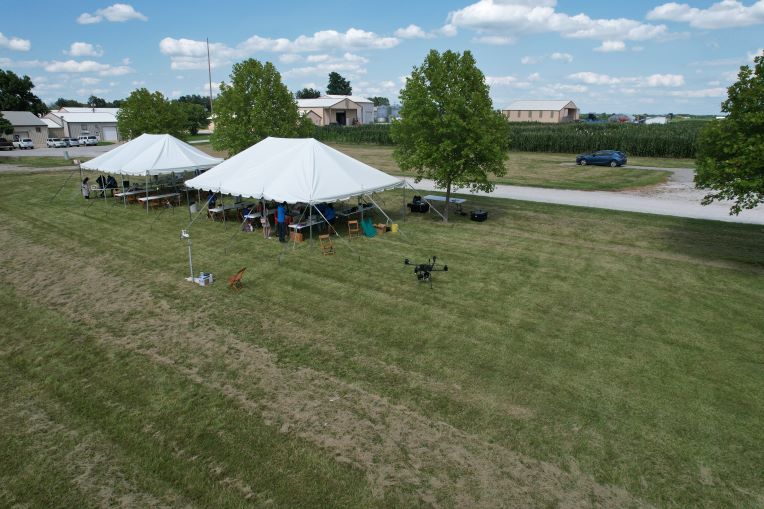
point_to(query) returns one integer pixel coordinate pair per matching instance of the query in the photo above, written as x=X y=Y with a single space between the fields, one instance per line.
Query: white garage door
x=109 y=133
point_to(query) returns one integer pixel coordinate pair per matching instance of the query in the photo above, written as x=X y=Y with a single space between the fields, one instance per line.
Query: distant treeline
x=676 y=139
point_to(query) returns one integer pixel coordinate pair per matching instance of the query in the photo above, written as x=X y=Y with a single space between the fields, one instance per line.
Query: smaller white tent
x=294 y=170
x=152 y=154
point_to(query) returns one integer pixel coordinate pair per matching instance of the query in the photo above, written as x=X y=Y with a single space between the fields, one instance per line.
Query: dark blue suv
x=610 y=158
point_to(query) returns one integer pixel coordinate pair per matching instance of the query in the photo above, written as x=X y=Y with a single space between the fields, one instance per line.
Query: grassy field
x=37 y=161
x=570 y=357
x=532 y=169
x=542 y=170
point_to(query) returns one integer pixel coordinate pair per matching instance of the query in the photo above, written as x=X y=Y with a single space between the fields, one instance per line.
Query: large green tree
x=255 y=105
x=16 y=94
x=5 y=126
x=730 y=158
x=338 y=85
x=62 y=102
x=196 y=116
x=147 y=112
x=195 y=99
x=308 y=93
x=379 y=101
x=449 y=131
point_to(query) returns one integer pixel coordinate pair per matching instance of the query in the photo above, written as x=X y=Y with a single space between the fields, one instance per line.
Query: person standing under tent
x=281 y=221
x=86 y=188
x=101 y=181
x=211 y=199
x=329 y=214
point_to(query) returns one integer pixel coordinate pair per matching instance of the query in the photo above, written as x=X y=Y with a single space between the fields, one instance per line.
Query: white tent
x=294 y=170
x=152 y=154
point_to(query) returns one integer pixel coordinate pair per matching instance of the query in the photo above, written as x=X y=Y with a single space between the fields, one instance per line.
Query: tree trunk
x=448 y=201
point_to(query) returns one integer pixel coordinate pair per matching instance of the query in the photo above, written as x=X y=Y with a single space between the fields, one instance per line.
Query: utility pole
x=209 y=73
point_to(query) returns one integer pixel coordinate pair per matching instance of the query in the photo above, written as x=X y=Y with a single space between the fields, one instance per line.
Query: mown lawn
x=570 y=356
x=538 y=169
x=37 y=161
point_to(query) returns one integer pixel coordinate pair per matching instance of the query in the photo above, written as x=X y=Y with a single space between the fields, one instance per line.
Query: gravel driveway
x=74 y=152
x=677 y=197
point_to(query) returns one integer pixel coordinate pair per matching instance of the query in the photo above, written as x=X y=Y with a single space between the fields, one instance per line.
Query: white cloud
x=350 y=64
x=175 y=93
x=15 y=43
x=495 y=40
x=125 y=61
x=412 y=32
x=215 y=88
x=289 y=58
x=83 y=49
x=723 y=14
x=75 y=66
x=192 y=54
x=528 y=60
x=534 y=77
x=90 y=81
x=563 y=57
x=706 y=92
x=138 y=83
x=447 y=30
x=506 y=81
x=500 y=17
x=116 y=13
x=592 y=78
x=662 y=80
x=610 y=46
x=652 y=81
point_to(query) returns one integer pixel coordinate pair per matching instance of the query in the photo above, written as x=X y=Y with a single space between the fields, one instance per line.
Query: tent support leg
x=147 y=193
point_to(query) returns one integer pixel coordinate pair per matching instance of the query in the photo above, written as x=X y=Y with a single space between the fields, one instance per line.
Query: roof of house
x=354 y=98
x=18 y=118
x=84 y=109
x=321 y=102
x=51 y=123
x=538 y=105
x=86 y=118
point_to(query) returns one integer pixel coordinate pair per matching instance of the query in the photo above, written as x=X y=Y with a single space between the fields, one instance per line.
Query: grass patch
x=540 y=169
x=37 y=161
x=569 y=355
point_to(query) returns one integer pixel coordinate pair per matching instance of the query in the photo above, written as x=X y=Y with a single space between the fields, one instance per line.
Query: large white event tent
x=152 y=154
x=294 y=170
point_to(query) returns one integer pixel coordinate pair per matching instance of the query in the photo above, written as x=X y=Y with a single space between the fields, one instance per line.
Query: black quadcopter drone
x=424 y=271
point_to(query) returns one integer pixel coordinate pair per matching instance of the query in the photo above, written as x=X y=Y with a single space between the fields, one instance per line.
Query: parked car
x=72 y=142
x=610 y=158
x=23 y=143
x=56 y=143
x=6 y=145
x=88 y=140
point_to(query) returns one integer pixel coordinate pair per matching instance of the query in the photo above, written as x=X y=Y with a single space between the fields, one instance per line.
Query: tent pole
x=188 y=204
x=310 y=212
x=404 y=204
x=124 y=198
x=222 y=205
x=147 y=192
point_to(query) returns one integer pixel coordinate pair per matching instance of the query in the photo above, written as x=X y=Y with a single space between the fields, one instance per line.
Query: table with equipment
x=456 y=201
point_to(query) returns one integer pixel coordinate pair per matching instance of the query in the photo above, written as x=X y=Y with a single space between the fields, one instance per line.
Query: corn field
x=672 y=140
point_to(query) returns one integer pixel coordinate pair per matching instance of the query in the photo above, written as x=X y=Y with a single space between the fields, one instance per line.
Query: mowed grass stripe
x=176 y=442
x=609 y=358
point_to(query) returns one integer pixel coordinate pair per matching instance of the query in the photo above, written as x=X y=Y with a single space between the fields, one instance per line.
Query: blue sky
x=614 y=56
